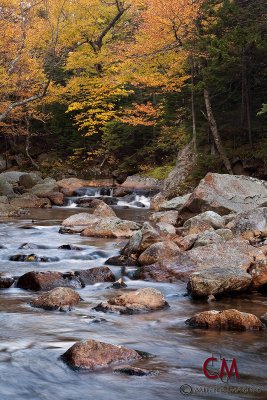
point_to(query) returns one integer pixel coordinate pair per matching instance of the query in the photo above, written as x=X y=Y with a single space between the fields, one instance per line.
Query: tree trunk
x=194 y=128
x=27 y=144
x=215 y=133
x=248 y=113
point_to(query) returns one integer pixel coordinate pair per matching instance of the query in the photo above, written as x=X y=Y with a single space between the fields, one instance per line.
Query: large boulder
x=156 y=201
x=111 y=228
x=227 y=320
x=44 y=189
x=174 y=184
x=141 y=240
x=60 y=298
x=174 y=204
x=95 y=275
x=91 y=355
x=208 y=220
x=7 y=210
x=224 y=194
x=161 y=250
x=218 y=281
x=12 y=177
x=56 y=198
x=176 y=269
x=29 y=180
x=5 y=187
x=142 y=300
x=81 y=219
x=47 y=280
x=249 y=222
x=68 y=186
x=170 y=217
x=234 y=253
x=139 y=182
x=102 y=210
x=208 y=238
x=28 y=200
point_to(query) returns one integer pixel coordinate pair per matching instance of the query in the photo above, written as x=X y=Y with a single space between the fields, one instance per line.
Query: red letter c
x=205 y=368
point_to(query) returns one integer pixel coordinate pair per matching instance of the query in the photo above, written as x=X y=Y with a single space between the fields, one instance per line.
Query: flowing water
x=32 y=340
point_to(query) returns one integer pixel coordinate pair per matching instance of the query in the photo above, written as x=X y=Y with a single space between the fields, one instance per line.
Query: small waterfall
x=134 y=199
x=139 y=201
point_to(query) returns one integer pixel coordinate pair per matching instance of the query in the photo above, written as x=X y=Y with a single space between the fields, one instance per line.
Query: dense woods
x=104 y=85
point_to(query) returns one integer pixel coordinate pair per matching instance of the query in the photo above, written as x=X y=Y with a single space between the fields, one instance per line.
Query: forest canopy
x=125 y=84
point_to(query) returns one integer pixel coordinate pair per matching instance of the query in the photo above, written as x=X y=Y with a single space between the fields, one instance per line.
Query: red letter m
x=225 y=369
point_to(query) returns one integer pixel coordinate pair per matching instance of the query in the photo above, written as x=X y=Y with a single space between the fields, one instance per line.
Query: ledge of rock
x=68 y=186
x=92 y=355
x=218 y=281
x=60 y=298
x=227 y=320
x=175 y=269
x=142 y=300
x=111 y=228
x=223 y=194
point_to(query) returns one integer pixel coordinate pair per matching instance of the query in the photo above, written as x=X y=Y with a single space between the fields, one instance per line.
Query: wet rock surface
x=225 y=320
x=6 y=282
x=36 y=281
x=218 y=281
x=224 y=194
x=95 y=275
x=61 y=298
x=162 y=250
x=142 y=300
x=92 y=355
x=133 y=371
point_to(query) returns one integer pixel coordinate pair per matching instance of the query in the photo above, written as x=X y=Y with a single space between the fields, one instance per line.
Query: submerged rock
x=91 y=355
x=263 y=319
x=134 y=371
x=227 y=320
x=32 y=258
x=119 y=284
x=70 y=247
x=60 y=298
x=142 y=300
x=218 y=281
x=6 y=282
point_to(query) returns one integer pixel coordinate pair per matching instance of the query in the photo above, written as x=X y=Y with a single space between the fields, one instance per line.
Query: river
x=32 y=340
